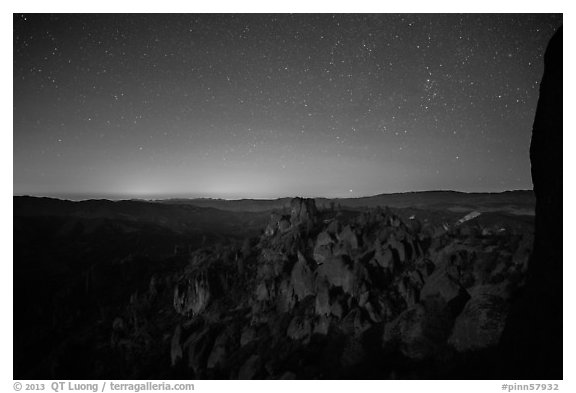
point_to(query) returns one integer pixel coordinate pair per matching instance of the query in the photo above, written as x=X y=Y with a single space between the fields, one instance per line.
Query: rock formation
x=322 y=297
x=532 y=342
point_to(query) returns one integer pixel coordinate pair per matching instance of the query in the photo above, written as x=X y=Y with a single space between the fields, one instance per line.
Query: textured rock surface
x=383 y=291
x=481 y=323
x=192 y=296
x=302 y=211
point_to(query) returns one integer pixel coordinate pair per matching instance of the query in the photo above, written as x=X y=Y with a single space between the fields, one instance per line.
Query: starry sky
x=264 y=106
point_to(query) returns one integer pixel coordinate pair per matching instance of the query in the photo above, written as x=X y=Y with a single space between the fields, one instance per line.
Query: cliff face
x=533 y=338
x=546 y=160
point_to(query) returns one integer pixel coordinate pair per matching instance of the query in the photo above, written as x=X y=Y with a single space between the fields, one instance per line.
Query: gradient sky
x=235 y=106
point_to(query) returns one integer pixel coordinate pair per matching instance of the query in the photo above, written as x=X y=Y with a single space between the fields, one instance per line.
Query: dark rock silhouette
x=303 y=211
x=532 y=342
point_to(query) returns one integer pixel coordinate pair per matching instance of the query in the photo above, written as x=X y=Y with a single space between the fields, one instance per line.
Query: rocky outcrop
x=303 y=211
x=192 y=295
x=278 y=223
x=324 y=295
x=302 y=278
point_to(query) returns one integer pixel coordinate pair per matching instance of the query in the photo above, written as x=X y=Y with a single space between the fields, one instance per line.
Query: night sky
x=239 y=106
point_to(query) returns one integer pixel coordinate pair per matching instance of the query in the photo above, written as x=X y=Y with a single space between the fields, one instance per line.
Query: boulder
x=348 y=238
x=324 y=239
x=482 y=321
x=322 y=325
x=336 y=309
x=262 y=292
x=285 y=297
x=443 y=289
x=384 y=258
x=300 y=328
x=337 y=271
x=302 y=278
x=322 y=253
x=408 y=333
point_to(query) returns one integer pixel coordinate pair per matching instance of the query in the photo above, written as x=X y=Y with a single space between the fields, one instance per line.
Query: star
x=275 y=105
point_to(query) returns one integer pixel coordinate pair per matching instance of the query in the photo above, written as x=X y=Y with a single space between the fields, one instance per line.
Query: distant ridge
x=515 y=202
x=520 y=202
